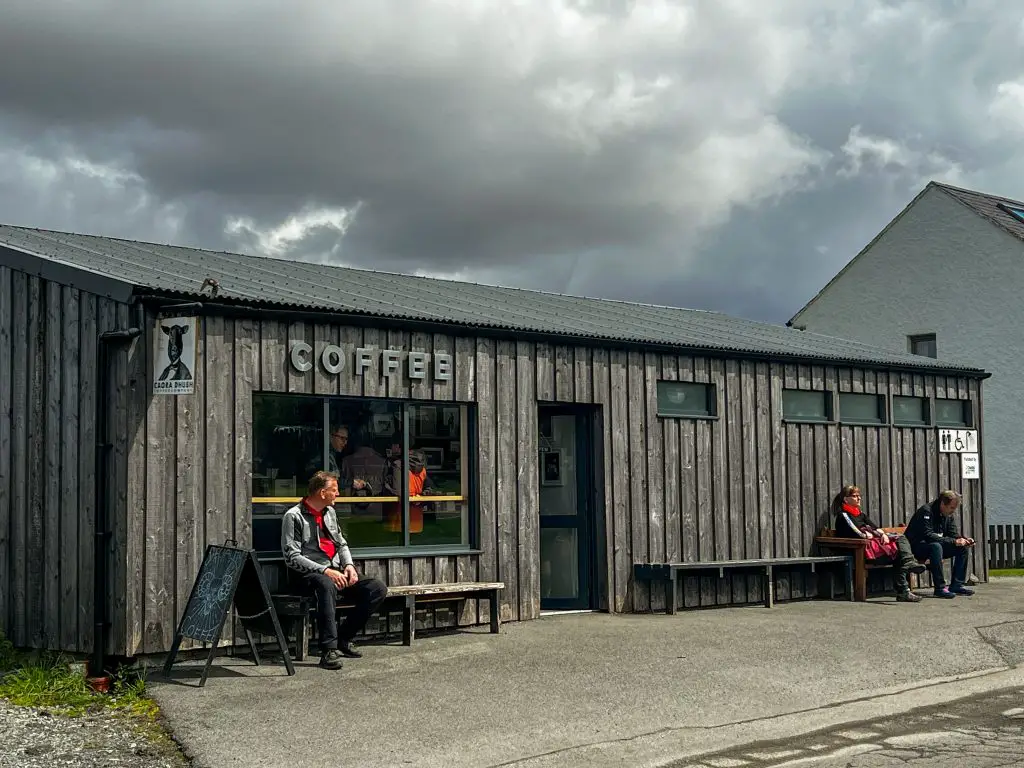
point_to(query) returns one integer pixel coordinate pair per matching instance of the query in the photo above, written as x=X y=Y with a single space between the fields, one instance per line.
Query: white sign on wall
x=970 y=466
x=174 y=355
x=958 y=441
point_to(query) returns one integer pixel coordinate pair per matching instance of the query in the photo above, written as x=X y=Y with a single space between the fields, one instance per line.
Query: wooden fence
x=1006 y=546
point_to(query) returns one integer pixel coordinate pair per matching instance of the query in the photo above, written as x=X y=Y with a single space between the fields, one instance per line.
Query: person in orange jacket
x=419 y=485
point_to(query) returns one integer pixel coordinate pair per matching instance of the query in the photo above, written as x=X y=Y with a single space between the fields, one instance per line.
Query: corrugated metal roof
x=302 y=285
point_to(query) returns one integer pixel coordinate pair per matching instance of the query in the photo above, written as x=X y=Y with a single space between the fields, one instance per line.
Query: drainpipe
x=101 y=521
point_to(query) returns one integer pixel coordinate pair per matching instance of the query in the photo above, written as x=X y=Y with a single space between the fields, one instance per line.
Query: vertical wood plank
x=529 y=483
x=464 y=388
x=55 y=488
x=620 y=507
x=670 y=450
x=688 y=524
x=637 y=442
x=274 y=366
x=765 y=459
x=465 y=371
x=350 y=339
x=70 y=509
x=655 y=477
x=36 y=472
x=132 y=529
x=545 y=356
x=162 y=502
x=698 y=369
x=583 y=390
x=6 y=414
x=324 y=383
x=86 y=458
x=608 y=578
x=19 y=457
x=564 y=373
x=126 y=360
x=720 y=431
x=190 y=490
x=506 y=474
x=780 y=500
x=246 y=364
x=219 y=371
x=487 y=442
x=297 y=381
x=373 y=381
x=751 y=474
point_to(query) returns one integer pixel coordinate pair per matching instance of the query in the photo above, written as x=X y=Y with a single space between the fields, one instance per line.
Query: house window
x=858 y=408
x=923 y=344
x=805 y=405
x=953 y=413
x=686 y=398
x=403 y=467
x=910 y=411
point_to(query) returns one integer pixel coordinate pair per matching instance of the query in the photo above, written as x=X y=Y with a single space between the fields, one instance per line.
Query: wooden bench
x=669 y=572
x=297 y=611
x=827 y=539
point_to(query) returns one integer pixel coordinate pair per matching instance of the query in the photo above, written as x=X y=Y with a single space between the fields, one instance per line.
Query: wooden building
x=566 y=438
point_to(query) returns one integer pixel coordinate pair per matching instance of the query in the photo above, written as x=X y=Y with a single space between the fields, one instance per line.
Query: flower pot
x=99 y=684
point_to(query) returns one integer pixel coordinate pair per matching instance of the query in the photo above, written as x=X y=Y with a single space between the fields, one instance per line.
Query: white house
x=945 y=279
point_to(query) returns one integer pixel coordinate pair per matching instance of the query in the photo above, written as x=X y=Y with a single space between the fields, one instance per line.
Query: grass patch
x=46 y=680
x=1006 y=572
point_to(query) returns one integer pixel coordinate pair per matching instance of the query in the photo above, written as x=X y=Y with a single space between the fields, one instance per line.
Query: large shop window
x=403 y=469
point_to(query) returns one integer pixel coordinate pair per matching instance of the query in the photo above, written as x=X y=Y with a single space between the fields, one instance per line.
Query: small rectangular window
x=910 y=411
x=952 y=413
x=858 y=408
x=686 y=398
x=805 y=405
x=923 y=344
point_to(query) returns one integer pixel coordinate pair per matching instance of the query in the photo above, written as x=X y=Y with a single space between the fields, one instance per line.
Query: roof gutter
x=162 y=302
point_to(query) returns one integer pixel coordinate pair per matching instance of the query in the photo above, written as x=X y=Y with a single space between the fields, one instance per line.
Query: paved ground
x=980 y=731
x=595 y=689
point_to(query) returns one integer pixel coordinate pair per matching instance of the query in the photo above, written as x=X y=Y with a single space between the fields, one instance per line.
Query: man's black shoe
x=918 y=568
x=907 y=597
x=348 y=650
x=331 y=660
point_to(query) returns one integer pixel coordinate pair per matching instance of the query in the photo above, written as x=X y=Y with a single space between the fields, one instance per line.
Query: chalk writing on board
x=213 y=593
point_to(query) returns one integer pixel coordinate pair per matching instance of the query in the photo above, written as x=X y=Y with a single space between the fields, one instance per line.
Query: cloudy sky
x=719 y=154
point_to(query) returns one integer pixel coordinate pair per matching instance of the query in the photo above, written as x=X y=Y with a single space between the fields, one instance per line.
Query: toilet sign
x=958 y=441
x=970 y=467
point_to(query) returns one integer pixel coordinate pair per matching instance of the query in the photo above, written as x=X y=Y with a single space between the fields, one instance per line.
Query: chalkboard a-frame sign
x=228 y=576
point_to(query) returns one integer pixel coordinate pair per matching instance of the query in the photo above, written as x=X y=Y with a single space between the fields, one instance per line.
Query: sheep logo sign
x=174 y=358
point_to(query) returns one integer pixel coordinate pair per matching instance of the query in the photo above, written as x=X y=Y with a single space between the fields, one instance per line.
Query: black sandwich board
x=228 y=576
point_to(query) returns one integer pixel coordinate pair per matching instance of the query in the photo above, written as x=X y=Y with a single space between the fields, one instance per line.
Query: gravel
x=33 y=738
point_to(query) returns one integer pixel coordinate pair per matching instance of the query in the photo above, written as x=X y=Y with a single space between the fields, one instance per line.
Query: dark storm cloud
x=705 y=154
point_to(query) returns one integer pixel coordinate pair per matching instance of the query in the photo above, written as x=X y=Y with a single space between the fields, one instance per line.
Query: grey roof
x=270 y=282
x=988 y=207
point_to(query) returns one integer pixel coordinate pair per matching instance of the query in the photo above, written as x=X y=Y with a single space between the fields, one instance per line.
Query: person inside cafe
x=933 y=534
x=314 y=547
x=851 y=521
x=419 y=484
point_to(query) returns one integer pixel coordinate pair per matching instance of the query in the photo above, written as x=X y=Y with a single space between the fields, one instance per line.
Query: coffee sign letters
x=334 y=359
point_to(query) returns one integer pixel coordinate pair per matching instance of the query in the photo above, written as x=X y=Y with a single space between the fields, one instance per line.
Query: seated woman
x=852 y=522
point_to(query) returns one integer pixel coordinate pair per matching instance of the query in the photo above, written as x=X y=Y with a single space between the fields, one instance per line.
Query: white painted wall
x=943 y=269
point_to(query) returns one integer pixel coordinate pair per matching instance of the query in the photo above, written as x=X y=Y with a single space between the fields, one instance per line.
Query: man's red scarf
x=851 y=510
x=326 y=543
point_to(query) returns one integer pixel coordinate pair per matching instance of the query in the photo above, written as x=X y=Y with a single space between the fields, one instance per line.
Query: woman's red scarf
x=851 y=510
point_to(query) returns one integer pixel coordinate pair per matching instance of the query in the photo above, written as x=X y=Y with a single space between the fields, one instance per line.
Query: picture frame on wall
x=551 y=467
x=433 y=456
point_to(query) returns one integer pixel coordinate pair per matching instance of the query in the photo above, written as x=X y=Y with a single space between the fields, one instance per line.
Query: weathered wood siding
x=48 y=396
x=745 y=484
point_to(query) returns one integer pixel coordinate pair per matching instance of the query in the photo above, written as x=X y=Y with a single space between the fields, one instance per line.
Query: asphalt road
x=983 y=731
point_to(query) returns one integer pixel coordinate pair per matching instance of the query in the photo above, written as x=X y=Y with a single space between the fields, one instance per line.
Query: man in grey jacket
x=313 y=546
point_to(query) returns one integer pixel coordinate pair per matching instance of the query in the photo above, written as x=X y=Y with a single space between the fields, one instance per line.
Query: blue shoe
x=944 y=592
x=960 y=589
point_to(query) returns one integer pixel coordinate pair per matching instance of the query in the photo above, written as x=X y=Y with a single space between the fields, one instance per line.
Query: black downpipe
x=101 y=607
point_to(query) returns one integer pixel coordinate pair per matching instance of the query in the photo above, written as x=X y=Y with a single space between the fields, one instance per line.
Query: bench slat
x=437 y=589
